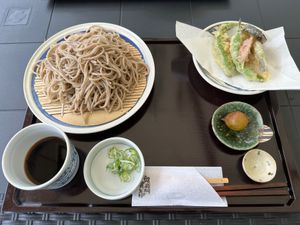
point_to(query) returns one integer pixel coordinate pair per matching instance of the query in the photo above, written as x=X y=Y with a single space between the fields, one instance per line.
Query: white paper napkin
x=284 y=72
x=178 y=186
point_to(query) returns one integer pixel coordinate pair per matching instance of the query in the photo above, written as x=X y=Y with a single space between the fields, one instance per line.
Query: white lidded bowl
x=104 y=183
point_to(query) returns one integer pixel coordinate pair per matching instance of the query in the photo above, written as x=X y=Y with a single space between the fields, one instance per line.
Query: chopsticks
x=269 y=189
x=238 y=190
x=217 y=180
x=279 y=192
x=250 y=186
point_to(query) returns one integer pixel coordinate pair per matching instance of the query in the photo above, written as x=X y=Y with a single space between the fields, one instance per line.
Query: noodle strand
x=90 y=71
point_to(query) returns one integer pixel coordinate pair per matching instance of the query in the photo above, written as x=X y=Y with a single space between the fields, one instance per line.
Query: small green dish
x=242 y=140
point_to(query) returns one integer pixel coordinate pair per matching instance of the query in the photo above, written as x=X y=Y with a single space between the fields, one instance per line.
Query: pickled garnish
x=236 y=121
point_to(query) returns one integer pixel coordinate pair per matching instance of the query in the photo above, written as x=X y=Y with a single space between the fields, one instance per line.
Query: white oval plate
x=32 y=99
x=221 y=85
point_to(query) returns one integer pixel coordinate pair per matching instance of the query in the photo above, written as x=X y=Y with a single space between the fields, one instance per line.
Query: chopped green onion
x=115 y=153
x=125 y=176
x=124 y=162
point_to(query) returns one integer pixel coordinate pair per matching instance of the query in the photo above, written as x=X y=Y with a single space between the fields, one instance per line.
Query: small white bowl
x=259 y=165
x=102 y=182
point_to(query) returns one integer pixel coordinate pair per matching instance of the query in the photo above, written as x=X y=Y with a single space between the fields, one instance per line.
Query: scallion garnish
x=124 y=162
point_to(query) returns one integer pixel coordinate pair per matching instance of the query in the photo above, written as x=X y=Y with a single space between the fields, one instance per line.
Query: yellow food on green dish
x=236 y=121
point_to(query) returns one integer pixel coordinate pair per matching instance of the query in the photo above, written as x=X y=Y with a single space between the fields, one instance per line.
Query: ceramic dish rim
x=93 y=153
x=220 y=139
x=265 y=152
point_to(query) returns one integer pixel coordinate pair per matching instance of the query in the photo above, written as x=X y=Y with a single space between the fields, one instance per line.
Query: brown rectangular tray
x=173 y=128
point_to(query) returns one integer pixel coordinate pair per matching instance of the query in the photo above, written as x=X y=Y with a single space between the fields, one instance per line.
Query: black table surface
x=24 y=25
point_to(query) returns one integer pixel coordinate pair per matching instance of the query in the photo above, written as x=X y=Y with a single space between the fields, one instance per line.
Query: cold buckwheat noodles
x=90 y=71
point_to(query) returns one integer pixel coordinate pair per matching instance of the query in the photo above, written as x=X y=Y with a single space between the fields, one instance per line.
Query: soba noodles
x=90 y=71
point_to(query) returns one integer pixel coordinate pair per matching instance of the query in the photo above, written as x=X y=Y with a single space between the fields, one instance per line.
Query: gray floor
x=24 y=24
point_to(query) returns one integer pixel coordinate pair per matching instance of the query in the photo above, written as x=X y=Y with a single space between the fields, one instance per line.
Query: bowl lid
x=259 y=165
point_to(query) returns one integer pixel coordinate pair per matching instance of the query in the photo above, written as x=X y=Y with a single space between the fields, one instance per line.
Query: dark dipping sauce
x=44 y=159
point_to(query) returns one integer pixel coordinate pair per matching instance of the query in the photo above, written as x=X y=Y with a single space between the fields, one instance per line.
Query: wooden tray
x=173 y=128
